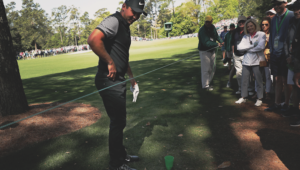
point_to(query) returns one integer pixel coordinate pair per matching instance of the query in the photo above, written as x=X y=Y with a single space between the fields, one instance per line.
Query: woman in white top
x=253 y=43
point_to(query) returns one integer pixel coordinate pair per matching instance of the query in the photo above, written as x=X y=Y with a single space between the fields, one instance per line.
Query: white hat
x=292 y=2
x=279 y=1
x=272 y=11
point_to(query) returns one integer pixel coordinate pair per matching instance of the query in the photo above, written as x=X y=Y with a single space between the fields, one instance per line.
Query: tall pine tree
x=12 y=96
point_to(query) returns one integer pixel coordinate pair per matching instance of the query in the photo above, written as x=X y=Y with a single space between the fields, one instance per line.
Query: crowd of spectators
x=172 y=37
x=225 y=22
x=266 y=58
x=32 y=54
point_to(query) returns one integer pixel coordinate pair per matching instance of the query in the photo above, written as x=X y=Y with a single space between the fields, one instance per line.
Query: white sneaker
x=258 y=102
x=225 y=65
x=228 y=85
x=238 y=92
x=241 y=100
x=210 y=88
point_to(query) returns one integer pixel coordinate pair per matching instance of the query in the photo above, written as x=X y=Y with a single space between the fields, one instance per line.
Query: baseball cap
x=137 y=5
x=225 y=26
x=242 y=18
x=208 y=18
x=232 y=25
x=272 y=11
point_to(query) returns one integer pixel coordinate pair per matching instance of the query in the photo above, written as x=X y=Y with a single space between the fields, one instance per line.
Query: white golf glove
x=135 y=90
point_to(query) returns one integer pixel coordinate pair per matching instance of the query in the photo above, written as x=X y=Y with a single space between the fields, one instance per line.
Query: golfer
x=110 y=41
x=207 y=41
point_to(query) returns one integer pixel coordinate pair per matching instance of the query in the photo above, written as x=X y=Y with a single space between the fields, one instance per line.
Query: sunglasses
x=278 y=3
x=264 y=24
x=241 y=22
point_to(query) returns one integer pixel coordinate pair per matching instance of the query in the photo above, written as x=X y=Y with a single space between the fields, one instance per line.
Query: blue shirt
x=223 y=34
x=283 y=34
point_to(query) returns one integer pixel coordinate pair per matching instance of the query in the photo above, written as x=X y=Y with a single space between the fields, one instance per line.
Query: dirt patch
x=60 y=121
x=267 y=138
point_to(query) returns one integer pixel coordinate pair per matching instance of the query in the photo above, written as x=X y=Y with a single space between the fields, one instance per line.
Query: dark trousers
x=114 y=100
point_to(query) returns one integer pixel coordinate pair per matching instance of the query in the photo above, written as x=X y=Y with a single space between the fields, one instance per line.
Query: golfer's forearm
x=232 y=47
x=99 y=50
x=129 y=72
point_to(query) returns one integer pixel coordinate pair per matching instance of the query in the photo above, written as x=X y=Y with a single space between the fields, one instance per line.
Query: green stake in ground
x=169 y=162
x=168 y=28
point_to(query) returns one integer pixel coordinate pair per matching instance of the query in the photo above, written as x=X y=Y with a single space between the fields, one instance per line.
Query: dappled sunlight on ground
x=62 y=120
x=261 y=136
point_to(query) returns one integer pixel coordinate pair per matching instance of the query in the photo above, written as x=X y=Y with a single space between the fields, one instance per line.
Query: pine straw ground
x=266 y=137
x=60 y=121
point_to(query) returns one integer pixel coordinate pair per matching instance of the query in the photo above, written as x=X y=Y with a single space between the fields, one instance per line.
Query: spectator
x=295 y=52
x=253 y=43
x=229 y=52
x=223 y=34
x=207 y=41
x=271 y=13
x=265 y=27
x=238 y=56
x=292 y=88
x=278 y=35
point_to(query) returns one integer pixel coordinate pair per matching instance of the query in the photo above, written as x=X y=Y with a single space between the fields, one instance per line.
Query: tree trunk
x=60 y=36
x=12 y=97
x=173 y=8
x=75 y=40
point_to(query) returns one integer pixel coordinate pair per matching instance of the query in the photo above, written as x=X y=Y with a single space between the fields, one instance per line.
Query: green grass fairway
x=171 y=99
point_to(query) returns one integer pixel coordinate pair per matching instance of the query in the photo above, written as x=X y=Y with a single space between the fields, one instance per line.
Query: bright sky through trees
x=91 y=6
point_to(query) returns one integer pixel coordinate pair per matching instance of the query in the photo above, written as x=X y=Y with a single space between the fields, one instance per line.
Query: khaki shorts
x=229 y=54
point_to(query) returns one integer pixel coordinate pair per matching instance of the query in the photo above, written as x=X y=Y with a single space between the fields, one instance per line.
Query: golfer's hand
x=133 y=82
x=112 y=71
x=220 y=45
x=296 y=79
x=289 y=60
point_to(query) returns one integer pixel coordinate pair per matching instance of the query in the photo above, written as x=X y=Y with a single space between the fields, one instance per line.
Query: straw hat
x=254 y=22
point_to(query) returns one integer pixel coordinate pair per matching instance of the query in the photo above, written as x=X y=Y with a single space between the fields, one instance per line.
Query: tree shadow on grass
x=171 y=99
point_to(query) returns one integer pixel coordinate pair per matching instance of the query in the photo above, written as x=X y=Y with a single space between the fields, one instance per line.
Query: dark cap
x=225 y=26
x=242 y=18
x=137 y=5
x=232 y=25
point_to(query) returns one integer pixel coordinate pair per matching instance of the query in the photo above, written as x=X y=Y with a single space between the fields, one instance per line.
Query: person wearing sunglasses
x=271 y=13
x=278 y=34
x=265 y=27
x=208 y=38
